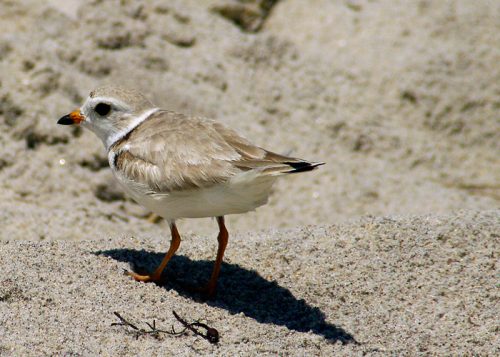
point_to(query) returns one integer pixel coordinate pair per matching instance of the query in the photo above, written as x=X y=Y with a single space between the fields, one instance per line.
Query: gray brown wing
x=170 y=151
x=254 y=157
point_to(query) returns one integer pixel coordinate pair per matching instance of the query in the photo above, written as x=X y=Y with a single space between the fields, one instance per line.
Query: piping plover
x=180 y=166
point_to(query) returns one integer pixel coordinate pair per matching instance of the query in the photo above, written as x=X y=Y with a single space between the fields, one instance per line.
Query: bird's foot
x=144 y=278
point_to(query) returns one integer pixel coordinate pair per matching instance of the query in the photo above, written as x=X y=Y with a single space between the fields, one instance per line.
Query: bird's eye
x=102 y=109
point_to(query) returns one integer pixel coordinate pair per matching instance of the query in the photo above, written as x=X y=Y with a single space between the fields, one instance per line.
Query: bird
x=180 y=166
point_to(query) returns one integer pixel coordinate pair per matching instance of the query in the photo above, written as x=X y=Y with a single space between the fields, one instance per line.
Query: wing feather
x=171 y=152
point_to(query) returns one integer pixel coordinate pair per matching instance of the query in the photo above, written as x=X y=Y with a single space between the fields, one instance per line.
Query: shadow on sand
x=240 y=290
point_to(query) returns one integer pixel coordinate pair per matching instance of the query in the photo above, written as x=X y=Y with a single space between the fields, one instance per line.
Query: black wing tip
x=302 y=166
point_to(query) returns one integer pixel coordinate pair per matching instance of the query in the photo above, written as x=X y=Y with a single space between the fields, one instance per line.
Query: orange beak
x=75 y=117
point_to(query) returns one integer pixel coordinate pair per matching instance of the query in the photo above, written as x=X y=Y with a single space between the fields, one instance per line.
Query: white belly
x=236 y=196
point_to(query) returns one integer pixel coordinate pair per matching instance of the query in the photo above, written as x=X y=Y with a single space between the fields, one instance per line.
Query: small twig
x=211 y=335
x=123 y=322
x=139 y=331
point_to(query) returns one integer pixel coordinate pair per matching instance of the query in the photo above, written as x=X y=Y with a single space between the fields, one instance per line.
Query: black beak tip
x=65 y=120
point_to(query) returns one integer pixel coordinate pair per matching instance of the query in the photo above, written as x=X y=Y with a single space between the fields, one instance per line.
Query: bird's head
x=109 y=111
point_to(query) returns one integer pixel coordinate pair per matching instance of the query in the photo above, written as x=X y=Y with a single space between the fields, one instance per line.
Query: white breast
x=243 y=193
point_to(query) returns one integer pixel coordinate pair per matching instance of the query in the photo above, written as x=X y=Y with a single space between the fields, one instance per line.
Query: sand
x=400 y=99
x=381 y=286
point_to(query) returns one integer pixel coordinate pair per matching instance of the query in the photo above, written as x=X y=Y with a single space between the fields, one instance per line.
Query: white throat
x=113 y=138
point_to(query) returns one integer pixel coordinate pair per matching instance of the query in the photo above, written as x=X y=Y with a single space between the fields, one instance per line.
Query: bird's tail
x=301 y=166
x=289 y=167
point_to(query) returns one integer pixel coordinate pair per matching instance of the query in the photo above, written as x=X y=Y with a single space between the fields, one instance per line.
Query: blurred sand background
x=401 y=99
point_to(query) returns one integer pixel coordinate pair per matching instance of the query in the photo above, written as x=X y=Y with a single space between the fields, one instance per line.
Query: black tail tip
x=303 y=166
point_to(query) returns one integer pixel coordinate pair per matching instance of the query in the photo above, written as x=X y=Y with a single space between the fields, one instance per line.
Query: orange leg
x=174 y=245
x=223 y=236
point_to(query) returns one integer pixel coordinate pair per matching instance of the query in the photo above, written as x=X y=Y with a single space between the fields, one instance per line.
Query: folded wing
x=171 y=152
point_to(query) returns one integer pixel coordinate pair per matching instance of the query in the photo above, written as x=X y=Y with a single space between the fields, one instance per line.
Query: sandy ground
x=400 y=99
x=376 y=286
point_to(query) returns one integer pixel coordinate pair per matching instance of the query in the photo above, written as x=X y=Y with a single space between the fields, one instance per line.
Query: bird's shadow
x=240 y=291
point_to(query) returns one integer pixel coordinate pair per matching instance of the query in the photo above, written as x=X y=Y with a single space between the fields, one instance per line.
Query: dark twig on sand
x=211 y=334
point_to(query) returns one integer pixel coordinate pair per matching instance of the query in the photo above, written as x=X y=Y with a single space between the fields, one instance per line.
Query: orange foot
x=155 y=278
